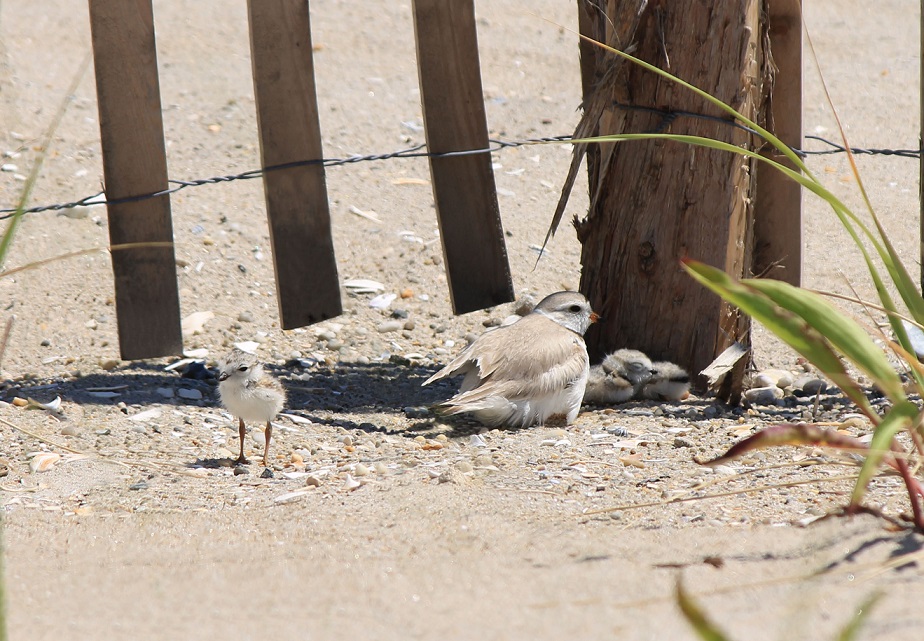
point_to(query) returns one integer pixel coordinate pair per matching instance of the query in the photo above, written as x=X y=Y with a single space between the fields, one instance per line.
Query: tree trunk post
x=653 y=203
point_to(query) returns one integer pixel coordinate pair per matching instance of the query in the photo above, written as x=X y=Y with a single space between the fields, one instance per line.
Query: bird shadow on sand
x=339 y=395
x=329 y=395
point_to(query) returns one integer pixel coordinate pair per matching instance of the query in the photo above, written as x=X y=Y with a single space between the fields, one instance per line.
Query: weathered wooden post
x=655 y=202
x=463 y=186
x=307 y=286
x=134 y=164
x=778 y=207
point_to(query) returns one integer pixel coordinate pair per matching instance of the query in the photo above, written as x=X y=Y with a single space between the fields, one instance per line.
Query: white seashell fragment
x=363 y=286
x=477 y=441
x=382 y=301
x=195 y=322
x=290 y=497
x=350 y=483
x=104 y=394
x=295 y=418
x=146 y=415
x=248 y=346
x=53 y=406
x=44 y=461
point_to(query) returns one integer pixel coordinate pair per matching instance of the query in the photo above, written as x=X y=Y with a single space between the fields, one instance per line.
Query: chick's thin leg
x=242 y=431
x=269 y=435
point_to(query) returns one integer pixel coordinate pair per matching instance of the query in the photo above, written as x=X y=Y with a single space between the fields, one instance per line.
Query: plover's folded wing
x=538 y=359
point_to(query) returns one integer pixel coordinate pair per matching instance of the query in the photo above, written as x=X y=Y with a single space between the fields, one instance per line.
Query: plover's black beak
x=594 y=317
x=222 y=376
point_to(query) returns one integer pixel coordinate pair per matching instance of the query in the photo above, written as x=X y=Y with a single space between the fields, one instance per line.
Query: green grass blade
x=850 y=631
x=3 y=620
x=780 y=146
x=705 y=629
x=6 y=241
x=784 y=324
x=848 y=219
x=841 y=331
x=900 y=417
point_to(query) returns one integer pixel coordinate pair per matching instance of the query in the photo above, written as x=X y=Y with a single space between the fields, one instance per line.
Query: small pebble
x=811 y=385
x=165 y=392
x=763 y=395
x=389 y=326
x=69 y=430
x=109 y=364
x=267 y=473
x=360 y=470
x=524 y=305
x=399 y=314
x=240 y=470
x=245 y=317
x=409 y=325
x=189 y=394
x=679 y=441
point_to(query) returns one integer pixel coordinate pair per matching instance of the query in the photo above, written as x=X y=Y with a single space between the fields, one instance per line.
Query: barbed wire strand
x=417 y=151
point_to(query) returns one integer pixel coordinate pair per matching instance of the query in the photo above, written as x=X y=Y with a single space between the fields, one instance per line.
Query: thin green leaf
x=840 y=330
x=778 y=144
x=6 y=240
x=787 y=326
x=900 y=417
x=850 y=631
x=705 y=629
x=3 y=627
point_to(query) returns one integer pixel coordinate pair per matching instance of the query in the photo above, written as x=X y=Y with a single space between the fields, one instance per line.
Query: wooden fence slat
x=463 y=186
x=134 y=163
x=296 y=198
x=778 y=206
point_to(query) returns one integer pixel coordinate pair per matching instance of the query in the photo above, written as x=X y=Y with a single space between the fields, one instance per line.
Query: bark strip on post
x=655 y=202
x=463 y=186
x=307 y=285
x=135 y=163
x=778 y=207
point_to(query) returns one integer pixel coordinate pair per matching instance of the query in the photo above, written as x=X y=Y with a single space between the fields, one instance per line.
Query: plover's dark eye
x=574 y=309
x=242 y=368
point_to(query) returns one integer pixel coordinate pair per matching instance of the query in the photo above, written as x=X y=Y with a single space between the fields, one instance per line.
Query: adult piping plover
x=250 y=394
x=619 y=378
x=668 y=382
x=521 y=374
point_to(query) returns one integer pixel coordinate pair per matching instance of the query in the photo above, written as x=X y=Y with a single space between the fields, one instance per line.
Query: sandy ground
x=380 y=520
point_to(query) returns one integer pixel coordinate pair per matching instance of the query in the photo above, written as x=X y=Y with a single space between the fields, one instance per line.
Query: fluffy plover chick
x=250 y=394
x=668 y=382
x=618 y=378
x=521 y=374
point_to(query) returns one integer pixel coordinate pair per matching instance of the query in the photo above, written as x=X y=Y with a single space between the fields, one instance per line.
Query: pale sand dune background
x=94 y=549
